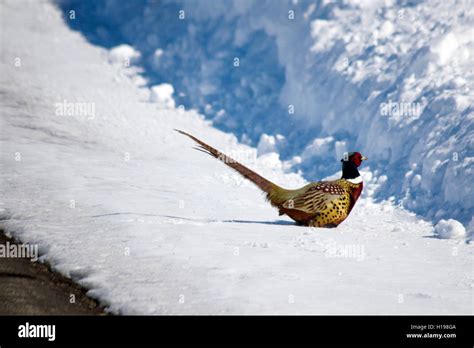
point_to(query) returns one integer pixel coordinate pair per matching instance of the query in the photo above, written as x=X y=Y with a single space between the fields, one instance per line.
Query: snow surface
x=318 y=69
x=123 y=205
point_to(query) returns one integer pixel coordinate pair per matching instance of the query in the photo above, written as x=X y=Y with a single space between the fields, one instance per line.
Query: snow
x=269 y=143
x=445 y=48
x=335 y=63
x=450 y=229
x=124 y=206
x=123 y=55
x=162 y=95
x=318 y=147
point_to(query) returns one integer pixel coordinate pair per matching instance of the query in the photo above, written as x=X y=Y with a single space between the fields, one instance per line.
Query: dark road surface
x=31 y=288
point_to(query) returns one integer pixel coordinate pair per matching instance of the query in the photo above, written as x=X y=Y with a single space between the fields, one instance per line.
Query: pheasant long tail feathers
x=273 y=191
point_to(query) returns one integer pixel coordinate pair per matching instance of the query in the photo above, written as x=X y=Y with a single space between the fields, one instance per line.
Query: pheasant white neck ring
x=357 y=180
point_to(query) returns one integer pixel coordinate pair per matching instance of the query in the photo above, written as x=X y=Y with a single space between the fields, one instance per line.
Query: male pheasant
x=318 y=204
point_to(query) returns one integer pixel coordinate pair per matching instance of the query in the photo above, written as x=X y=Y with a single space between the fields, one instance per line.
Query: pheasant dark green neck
x=349 y=170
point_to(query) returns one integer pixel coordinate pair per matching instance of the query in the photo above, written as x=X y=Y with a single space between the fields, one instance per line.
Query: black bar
x=289 y=330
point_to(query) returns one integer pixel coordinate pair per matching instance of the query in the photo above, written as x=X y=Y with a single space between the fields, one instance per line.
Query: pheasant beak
x=363 y=158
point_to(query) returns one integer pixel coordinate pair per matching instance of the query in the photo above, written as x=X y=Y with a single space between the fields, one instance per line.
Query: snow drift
x=392 y=79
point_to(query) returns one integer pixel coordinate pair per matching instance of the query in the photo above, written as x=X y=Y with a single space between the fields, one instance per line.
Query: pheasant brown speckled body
x=322 y=204
x=318 y=204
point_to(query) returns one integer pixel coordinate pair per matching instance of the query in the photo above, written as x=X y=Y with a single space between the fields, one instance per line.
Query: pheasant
x=318 y=204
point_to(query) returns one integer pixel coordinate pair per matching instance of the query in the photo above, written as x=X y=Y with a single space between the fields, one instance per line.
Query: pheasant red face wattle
x=357 y=158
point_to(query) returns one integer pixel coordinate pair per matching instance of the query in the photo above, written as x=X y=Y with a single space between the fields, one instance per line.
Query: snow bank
x=391 y=79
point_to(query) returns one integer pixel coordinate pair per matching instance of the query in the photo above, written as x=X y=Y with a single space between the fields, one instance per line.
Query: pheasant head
x=350 y=164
